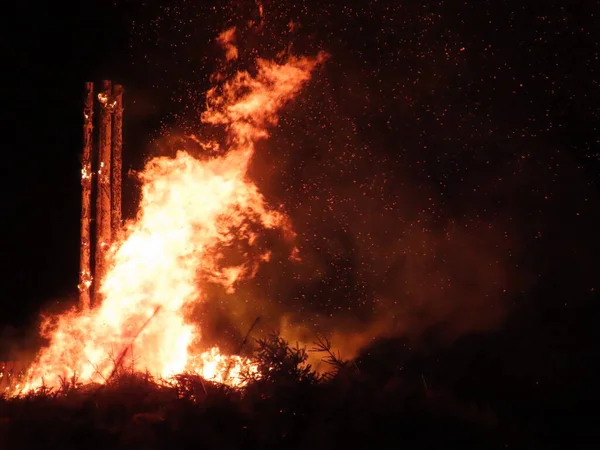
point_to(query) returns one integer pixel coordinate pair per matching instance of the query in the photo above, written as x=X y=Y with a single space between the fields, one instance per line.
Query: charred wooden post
x=85 y=270
x=103 y=204
x=117 y=161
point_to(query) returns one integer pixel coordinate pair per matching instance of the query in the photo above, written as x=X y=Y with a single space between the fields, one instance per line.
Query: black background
x=490 y=108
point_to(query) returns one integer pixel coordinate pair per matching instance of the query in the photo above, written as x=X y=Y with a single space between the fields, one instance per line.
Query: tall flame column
x=85 y=271
x=103 y=203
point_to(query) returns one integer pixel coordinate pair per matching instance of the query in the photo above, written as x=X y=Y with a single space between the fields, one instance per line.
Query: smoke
x=402 y=199
x=381 y=252
x=363 y=277
x=367 y=268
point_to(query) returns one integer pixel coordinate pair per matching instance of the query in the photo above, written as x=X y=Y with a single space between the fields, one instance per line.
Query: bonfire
x=190 y=211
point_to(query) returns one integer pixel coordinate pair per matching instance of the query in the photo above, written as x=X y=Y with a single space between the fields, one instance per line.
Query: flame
x=190 y=211
x=219 y=368
x=227 y=39
x=106 y=101
x=86 y=174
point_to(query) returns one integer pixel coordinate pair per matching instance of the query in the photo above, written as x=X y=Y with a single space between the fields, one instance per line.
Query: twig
x=203 y=385
x=424 y=383
x=248 y=334
x=119 y=360
x=241 y=346
x=97 y=370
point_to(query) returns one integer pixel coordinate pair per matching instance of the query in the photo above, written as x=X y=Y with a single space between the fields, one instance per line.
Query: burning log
x=100 y=157
x=117 y=161
x=85 y=271
x=103 y=203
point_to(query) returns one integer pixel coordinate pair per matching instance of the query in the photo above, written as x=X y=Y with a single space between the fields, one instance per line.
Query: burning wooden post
x=103 y=157
x=103 y=203
x=85 y=270
x=117 y=161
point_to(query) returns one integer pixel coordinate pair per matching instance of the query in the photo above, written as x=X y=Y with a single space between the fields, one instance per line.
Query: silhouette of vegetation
x=285 y=405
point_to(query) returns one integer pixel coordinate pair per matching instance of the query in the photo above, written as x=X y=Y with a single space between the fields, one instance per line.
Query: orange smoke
x=190 y=212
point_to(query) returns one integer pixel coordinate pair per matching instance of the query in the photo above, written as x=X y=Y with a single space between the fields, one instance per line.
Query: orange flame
x=189 y=212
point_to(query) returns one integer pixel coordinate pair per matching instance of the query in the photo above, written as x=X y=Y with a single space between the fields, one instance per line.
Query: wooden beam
x=103 y=204
x=85 y=271
x=117 y=162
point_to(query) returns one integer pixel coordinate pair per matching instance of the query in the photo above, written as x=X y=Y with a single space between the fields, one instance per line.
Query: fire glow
x=190 y=211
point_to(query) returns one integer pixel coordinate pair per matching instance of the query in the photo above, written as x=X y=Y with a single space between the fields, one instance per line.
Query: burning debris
x=145 y=277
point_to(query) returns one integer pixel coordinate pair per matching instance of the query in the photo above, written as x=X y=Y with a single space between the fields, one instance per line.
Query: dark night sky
x=490 y=108
x=45 y=62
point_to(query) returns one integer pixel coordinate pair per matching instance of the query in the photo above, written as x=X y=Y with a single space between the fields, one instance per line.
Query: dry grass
x=288 y=405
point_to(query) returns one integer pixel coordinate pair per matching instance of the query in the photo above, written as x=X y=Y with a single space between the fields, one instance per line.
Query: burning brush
x=150 y=272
